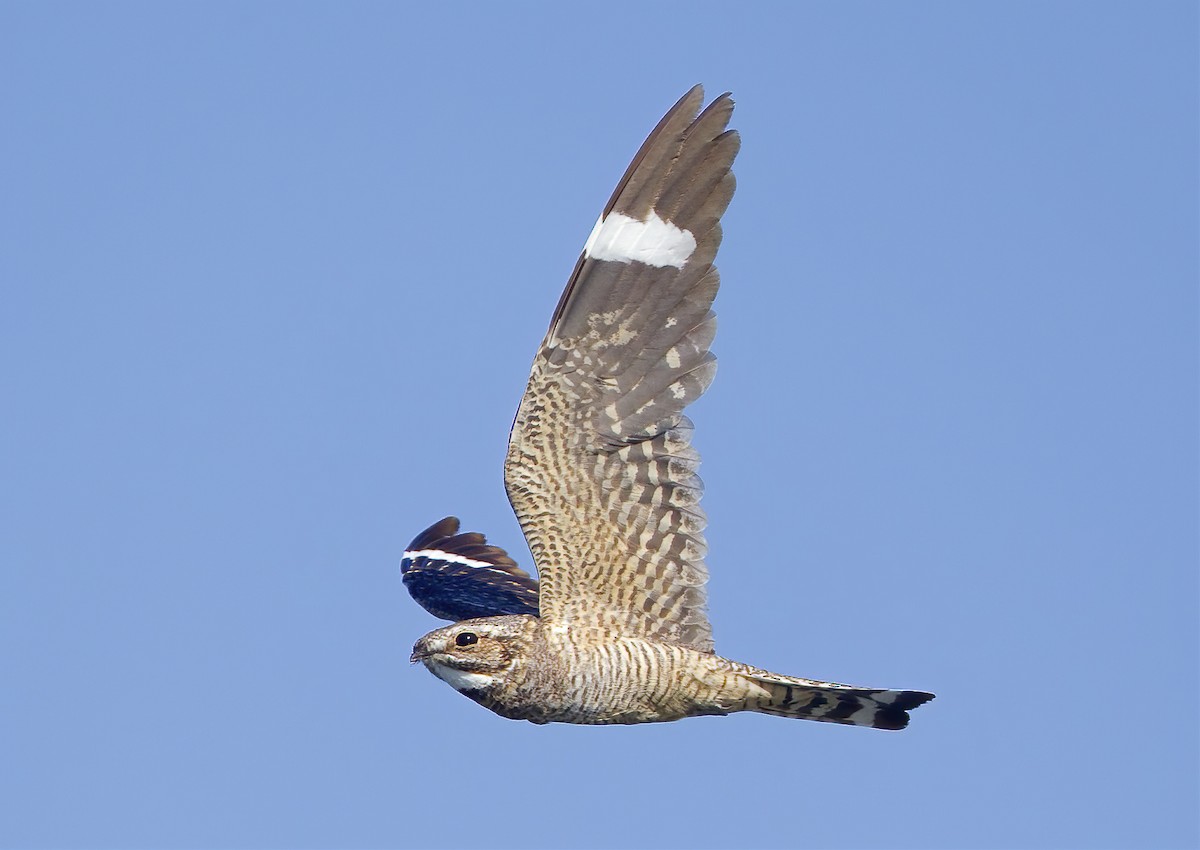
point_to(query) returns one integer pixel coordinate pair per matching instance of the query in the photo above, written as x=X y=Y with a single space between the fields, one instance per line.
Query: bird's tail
x=787 y=696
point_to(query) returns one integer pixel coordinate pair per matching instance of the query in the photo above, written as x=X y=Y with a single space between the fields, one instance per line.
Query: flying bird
x=602 y=476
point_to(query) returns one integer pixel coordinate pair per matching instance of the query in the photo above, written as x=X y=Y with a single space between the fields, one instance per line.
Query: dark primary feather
x=461 y=576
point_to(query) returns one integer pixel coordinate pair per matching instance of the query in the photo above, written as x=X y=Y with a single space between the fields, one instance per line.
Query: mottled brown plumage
x=523 y=668
x=602 y=477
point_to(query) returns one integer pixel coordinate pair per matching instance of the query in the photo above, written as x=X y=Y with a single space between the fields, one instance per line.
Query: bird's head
x=476 y=656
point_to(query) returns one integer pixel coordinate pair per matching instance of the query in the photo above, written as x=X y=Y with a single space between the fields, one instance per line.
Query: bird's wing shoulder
x=600 y=470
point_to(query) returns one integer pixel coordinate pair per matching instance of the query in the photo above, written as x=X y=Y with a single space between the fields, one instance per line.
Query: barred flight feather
x=627 y=350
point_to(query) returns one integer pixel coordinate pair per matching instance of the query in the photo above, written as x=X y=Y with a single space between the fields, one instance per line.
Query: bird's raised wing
x=459 y=576
x=600 y=470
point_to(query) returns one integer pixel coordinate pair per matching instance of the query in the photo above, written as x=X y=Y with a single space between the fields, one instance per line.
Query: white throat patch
x=460 y=680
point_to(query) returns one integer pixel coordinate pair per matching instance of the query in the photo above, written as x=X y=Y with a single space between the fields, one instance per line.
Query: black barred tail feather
x=833 y=703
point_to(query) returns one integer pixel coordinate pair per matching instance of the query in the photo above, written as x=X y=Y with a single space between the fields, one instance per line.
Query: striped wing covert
x=460 y=576
x=600 y=470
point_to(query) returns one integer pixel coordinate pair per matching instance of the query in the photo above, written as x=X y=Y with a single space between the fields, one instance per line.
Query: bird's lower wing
x=460 y=576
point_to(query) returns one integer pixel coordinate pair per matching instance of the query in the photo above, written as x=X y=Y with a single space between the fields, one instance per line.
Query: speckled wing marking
x=600 y=470
x=460 y=576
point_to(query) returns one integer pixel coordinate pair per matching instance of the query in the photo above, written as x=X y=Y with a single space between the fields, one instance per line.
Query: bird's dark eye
x=466 y=638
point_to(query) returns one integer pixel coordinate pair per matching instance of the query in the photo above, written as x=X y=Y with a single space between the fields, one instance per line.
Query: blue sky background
x=273 y=275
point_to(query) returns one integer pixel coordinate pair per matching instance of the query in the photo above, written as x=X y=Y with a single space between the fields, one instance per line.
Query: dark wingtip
x=446 y=527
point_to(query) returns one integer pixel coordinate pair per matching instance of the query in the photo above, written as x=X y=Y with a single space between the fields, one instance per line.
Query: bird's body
x=602 y=476
x=524 y=669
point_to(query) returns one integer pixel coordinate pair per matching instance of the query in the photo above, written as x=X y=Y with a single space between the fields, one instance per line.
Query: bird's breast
x=614 y=680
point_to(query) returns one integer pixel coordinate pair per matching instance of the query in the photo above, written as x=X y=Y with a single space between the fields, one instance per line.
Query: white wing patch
x=655 y=242
x=451 y=557
x=438 y=554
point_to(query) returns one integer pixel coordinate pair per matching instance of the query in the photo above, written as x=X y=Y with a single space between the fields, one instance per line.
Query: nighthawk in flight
x=602 y=477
